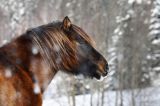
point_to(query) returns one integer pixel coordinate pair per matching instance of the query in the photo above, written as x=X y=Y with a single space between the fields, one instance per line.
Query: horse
x=29 y=62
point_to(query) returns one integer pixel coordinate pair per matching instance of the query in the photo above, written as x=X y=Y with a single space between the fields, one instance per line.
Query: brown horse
x=29 y=62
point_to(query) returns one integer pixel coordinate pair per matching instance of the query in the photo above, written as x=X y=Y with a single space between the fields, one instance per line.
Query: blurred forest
x=127 y=33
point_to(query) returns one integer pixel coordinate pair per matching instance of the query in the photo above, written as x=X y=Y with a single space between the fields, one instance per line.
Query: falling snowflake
x=35 y=50
x=36 y=88
x=8 y=73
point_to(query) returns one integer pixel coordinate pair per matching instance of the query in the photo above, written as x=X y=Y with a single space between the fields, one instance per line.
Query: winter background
x=127 y=33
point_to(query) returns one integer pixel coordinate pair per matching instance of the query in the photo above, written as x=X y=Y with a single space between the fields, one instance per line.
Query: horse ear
x=66 y=23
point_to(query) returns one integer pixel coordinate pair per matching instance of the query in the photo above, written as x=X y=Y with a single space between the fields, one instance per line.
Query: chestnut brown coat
x=29 y=62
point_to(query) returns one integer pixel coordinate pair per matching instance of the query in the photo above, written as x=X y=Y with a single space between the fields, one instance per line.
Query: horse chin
x=99 y=77
x=96 y=76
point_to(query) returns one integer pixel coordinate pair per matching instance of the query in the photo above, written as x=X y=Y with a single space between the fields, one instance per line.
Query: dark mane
x=29 y=63
x=51 y=37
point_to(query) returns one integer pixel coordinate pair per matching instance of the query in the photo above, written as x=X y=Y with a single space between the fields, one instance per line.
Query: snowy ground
x=143 y=97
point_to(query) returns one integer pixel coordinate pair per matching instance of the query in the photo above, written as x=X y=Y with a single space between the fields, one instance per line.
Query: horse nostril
x=107 y=67
x=106 y=70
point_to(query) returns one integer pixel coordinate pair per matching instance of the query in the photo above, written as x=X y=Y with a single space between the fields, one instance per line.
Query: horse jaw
x=101 y=78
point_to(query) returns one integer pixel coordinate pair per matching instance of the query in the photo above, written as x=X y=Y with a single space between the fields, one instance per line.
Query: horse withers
x=29 y=62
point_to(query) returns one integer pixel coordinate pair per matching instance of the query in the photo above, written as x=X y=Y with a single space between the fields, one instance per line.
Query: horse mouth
x=94 y=75
x=89 y=70
x=100 y=76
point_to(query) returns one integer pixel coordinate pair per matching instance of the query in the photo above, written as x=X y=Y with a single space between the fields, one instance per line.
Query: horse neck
x=22 y=53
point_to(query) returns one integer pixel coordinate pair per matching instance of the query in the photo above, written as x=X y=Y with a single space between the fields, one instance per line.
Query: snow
x=8 y=73
x=125 y=25
x=149 y=57
x=120 y=33
x=154 y=19
x=139 y=1
x=134 y=1
x=156 y=69
x=155 y=11
x=87 y=86
x=63 y=101
x=154 y=32
x=112 y=50
x=143 y=97
x=131 y=1
x=22 y=11
x=111 y=73
x=120 y=19
x=35 y=50
x=101 y=79
x=156 y=42
x=149 y=2
x=37 y=89
x=4 y=42
x=154 y=26
x=116 y=30
x=156 y=55
x=68 y=4
x=115 y=39
x=111 y=61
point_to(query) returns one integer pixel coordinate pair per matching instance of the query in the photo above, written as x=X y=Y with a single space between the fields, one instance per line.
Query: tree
x=154 y=38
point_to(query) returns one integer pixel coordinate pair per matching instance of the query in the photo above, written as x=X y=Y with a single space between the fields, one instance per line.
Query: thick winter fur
x=29 y=63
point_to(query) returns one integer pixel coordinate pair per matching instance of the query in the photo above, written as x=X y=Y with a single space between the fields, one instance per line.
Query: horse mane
x=84 y=35
x=29 y=62
x=51 y=37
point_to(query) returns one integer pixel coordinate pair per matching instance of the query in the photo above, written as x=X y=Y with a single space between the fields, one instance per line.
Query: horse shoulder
x=17 y=90
x=7 y=92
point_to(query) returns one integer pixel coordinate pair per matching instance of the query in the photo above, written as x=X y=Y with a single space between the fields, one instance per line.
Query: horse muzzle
x=106 y=70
